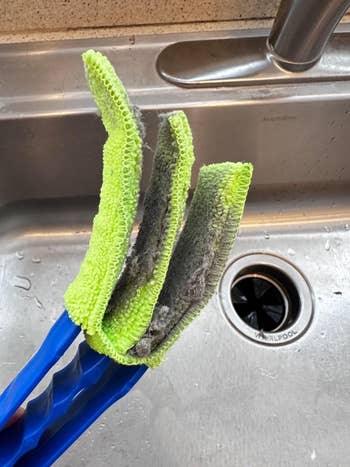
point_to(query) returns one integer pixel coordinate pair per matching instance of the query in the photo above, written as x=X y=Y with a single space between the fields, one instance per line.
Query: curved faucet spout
x=302 y=30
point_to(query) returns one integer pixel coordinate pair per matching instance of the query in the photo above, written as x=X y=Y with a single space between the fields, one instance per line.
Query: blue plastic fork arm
x=85 y=370
x=59 y=338
x=117 y=381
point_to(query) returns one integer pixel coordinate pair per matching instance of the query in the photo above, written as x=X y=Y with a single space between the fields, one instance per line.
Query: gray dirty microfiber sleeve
x=200 y=254
x=131 y=306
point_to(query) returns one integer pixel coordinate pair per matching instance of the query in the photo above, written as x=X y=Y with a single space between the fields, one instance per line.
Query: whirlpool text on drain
x=276 y=337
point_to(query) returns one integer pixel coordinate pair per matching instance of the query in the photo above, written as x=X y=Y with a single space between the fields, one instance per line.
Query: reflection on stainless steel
x=203 y=406
x=302 y=30
x=246 y=61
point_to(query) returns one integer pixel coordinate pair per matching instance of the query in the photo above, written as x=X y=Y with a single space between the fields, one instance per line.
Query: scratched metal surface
x=219 y=399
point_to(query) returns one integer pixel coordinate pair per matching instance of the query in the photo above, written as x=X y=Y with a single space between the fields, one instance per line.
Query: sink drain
x=260 y=302
x=266 y=299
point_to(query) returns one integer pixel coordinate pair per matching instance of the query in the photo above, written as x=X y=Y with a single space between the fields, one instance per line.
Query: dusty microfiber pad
x=133 y=308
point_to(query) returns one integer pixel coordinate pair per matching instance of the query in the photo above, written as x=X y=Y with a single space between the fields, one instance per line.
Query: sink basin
x=220 y=398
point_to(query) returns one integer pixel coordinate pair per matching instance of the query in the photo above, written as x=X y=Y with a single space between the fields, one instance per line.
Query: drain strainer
x=266 y=299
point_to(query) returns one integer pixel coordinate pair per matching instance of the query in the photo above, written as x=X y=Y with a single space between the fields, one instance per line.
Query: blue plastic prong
x=59 y=338
x=116 y=383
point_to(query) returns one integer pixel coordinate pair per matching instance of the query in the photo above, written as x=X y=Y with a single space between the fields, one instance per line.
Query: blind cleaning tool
x=133 y=307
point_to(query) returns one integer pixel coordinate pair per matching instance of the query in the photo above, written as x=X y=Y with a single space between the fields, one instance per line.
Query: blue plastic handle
x=60 y=337
x=116 y=383
x=76 y=396
x=85 y=370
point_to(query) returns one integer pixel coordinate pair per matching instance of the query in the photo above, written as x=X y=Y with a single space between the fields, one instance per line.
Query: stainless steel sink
x=220 y=398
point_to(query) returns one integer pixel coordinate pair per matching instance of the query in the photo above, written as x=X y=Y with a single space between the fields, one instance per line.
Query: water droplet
x=32 y=274
x=323 y=334
x=313 y=455
x=291 y=252
x=327 y=229
x=268 y=374
x=38 y=302
x=266 y=235
x=19 y=255
x=327 y=245
x=22 y=282
x=297 y=350
x=347 y=227
x=36 y=259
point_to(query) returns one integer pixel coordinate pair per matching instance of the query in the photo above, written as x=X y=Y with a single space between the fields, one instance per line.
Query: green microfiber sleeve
x=199 y=257
x=133 y=309
x=87 y=297
x=132 y=304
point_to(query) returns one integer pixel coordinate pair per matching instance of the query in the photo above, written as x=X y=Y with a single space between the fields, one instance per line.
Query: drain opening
x=260 y=302
x=266 y=298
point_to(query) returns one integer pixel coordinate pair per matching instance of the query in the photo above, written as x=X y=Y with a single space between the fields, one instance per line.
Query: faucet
x=302 y=29
x=298 y=38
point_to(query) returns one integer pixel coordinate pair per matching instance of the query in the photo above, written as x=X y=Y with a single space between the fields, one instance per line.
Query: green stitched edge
x=87 y=297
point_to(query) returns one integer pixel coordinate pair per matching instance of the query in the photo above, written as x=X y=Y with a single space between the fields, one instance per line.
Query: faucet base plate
x=244 y=61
